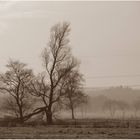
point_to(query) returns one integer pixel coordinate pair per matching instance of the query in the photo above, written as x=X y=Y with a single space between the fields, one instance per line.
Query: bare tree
x=122 y=106
x=58 y=62
x=74 y=91
x=136 y=107
x=110 y=106
x=15 y=82
x=10 y=106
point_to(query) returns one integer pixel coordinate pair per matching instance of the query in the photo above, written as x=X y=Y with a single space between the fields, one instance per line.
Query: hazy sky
x=105 y=36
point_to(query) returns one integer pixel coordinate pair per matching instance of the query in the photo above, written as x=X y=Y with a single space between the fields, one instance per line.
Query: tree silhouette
x=58 y=62
x=15 y=82
x=74 y=91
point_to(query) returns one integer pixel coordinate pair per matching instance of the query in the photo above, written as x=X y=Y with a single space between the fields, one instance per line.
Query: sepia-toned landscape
x=69 y=70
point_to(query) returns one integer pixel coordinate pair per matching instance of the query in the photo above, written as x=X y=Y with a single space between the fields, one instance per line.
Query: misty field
x=100 y=128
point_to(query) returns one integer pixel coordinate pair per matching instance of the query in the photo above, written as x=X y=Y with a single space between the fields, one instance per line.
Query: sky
x=105 y=37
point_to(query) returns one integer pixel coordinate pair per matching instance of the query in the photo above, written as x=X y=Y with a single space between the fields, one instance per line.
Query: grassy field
x=86 y=130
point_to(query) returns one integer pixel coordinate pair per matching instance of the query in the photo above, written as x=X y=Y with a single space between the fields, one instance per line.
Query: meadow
x=87 y=129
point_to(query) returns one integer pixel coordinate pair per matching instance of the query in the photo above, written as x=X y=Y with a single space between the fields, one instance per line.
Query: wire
x=113 y=76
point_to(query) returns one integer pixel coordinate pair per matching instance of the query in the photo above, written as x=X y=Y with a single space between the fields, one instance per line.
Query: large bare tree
x=15 y=82
x=58 y=62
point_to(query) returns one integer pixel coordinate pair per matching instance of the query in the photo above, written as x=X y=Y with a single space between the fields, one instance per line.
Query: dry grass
x=71 y=131
x=56 y=132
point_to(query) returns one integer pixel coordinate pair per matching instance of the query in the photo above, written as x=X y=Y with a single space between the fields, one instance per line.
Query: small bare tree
x=136 y=107
x=111 y=107
x=74 y=91
x=122 y=106
x=15 y=82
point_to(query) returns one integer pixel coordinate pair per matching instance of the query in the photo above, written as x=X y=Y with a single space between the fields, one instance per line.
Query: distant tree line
x=59 y=86
x=113 y=106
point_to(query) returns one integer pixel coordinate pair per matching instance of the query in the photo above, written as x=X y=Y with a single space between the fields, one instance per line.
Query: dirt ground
x=57 y=132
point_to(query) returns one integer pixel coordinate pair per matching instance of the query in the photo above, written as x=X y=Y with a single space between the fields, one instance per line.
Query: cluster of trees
x=58 y=86
x=113 y=106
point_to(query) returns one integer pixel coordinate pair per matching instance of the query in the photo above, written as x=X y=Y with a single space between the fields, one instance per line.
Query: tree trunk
x=21 y=116
x=21 y=119
x=71 y=106
x=49 y=117
x=72 y=111
x=35 y=112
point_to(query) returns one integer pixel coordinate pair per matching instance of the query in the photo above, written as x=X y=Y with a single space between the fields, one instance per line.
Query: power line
x=113 y=76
